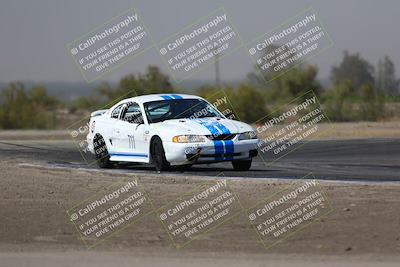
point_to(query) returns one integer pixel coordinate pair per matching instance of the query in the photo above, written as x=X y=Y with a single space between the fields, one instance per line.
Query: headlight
x=189 y=139
x=247 y=136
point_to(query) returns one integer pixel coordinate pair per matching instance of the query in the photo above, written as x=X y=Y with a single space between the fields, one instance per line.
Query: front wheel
x=158 y=155
x=241 y=165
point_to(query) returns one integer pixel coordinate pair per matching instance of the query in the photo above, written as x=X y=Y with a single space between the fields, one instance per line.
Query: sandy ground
x=361 y=230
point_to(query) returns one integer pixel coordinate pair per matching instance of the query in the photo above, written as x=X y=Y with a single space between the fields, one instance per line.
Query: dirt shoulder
x=364 y=219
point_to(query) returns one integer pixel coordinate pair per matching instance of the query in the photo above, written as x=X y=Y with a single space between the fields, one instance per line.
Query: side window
x=132 y=114
x=115 y=112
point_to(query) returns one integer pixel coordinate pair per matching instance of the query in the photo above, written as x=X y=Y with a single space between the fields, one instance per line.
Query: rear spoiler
x=98 y=112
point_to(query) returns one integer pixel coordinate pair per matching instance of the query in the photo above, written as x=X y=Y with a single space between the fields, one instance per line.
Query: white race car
x=169 y=130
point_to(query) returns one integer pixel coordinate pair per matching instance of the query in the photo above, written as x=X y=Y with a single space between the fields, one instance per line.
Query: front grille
x=221 y=137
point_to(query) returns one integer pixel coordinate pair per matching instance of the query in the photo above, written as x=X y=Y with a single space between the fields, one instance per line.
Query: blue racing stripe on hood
x=221 y=127
x=228 y=144
x=166 y=97
x=220 y=146
x=209 y=126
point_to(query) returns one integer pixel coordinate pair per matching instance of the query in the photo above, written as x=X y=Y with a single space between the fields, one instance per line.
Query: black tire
x=241 y=165
x=158 y=155
x=101 y=153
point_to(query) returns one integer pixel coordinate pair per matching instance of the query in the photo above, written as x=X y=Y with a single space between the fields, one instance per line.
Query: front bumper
x=209 y=152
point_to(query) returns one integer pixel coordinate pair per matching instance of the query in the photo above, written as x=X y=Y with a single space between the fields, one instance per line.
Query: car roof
x=157 y=97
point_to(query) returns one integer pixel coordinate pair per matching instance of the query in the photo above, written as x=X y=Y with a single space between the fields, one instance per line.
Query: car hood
x=203 y=126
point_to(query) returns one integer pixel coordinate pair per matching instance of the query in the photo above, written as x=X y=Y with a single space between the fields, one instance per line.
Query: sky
x=34 y=34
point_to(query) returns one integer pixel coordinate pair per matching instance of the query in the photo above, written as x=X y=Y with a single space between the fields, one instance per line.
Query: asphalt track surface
x=371 y=160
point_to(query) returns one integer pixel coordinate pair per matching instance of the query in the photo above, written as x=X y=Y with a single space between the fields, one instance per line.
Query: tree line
x=358 y=92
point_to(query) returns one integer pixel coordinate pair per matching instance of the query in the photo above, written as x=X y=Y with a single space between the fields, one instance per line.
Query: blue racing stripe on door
x=166 y=97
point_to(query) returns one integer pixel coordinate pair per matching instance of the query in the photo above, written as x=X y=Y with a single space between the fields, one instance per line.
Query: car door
x=111 y=131
x=129 y=134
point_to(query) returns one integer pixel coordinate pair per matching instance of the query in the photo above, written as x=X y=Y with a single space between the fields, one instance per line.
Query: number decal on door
x=131 y=139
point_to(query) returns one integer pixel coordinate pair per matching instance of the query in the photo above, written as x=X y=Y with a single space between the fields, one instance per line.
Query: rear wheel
x=241 y=165
x=101 y=153
x=158 y=155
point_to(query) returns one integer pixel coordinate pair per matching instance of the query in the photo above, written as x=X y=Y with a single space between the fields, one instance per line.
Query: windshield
x=162 y=110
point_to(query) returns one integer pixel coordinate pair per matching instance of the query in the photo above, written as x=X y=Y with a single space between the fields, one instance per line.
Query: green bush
x=32 y=109
x=344 y=103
